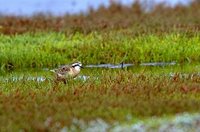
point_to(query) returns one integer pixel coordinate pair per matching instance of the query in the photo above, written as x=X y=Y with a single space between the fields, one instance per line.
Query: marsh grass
x=53 y=49
x=108 y=35
x=112 y=97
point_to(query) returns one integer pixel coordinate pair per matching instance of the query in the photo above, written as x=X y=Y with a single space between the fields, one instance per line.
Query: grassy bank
x=52 y=49
x=111 y=97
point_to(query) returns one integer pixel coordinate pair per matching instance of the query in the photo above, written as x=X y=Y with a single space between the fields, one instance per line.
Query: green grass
x=107 y=35
x=52 y=49
x=114 y=95
x=139 y=92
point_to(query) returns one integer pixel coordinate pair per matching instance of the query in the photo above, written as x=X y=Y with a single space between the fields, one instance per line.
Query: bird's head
x=77 y=65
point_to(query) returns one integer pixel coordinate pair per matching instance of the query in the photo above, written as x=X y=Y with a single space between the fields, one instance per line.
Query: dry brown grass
x=160 y=20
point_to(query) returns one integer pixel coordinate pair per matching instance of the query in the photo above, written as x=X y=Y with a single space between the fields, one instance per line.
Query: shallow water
x=123 y=65
x=38 y=78
x=169 y=69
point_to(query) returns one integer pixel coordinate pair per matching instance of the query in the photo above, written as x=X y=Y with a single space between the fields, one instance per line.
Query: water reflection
x=123 y=65
x=94 y=72
x=38 y=78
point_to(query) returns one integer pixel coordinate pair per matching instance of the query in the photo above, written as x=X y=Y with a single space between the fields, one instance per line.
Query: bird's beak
x=81 y=66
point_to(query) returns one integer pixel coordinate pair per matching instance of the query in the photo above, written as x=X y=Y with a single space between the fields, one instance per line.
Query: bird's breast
x=72 y=73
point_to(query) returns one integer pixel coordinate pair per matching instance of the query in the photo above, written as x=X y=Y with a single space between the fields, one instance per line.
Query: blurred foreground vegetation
x=111 y=95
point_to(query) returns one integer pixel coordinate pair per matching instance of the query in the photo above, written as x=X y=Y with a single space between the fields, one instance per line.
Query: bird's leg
x=64 y=81
x=55 y=84
x=56 y=81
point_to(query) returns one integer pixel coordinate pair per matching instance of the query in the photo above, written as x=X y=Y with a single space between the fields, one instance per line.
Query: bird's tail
x=53 y=71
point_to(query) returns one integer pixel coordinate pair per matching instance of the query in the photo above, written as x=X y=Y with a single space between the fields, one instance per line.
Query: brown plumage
x=68 y=71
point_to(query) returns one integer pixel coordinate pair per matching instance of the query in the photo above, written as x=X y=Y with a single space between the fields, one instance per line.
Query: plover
x=67 y=71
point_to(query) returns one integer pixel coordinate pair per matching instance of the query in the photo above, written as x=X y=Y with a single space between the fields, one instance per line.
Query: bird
x=67 y=71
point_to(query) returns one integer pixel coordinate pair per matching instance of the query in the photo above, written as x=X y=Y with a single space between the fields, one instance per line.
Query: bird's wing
x=63 y=70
